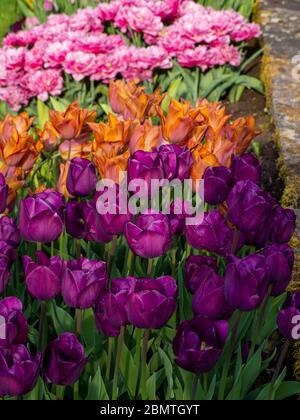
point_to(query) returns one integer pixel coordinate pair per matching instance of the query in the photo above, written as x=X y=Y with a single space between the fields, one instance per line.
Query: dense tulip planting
x=109 y=301
x=128 y=38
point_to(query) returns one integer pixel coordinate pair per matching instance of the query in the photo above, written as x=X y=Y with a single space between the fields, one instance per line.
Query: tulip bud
x=199 y=343
x=64 y=360
x=246 y=168
x=248 y=206
x=49 y=270
x=82 y=281
x=41 y=216
x=279 y=263
x=19 y=371
x=3 y=193
x=283 y=225
x=198 y=269
x=246 y=282
x=75 y=223
x=82 y=178
x=9 y=232
x=150 y=235
x=16 y=327
x=95 y=224
x=217 y=183
x=152 y=302
x=176 y=161
x=111 y=307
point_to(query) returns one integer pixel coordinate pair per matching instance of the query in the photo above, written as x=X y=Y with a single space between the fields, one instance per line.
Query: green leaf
x=287 y=389
x=169 y=373
x=43 y=113
x=62 y=321
x=251 y=371
x=58 y=105
x=96 y=389
x=106 y=108
x=129 y=371
x=88 y=330
x=151 y=386
x=212 y=388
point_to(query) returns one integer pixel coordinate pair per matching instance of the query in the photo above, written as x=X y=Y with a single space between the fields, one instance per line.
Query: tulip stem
x=78 y=249
x=78 y=318
x=258 y=324
x=61 y=246
x=130 y=260
x=60 y=392
x=42 y=325
x=144 y=365
x=117 y=365
x=109 y=357
x=228 y=357
x=279 y=364
x=150 y=268
x=194 y=387
x=112 y=253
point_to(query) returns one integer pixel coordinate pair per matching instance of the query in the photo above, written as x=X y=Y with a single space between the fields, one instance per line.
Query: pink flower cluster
x=32 y=61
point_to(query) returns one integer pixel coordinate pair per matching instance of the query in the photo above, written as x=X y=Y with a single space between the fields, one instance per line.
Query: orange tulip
x=243 y=130
x=109 y=167
x=74 y=148
x=49 y=137
x=144 y=137
x=179 y=124
x=14 y=185
x=110 y=135
x=73 y=123
x=62 y=179
x=214 y=114
x=131 y=101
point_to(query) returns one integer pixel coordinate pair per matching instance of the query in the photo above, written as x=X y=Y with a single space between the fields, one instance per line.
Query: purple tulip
x=146 y=166
x=198 y=269
x=41 y=216
x=82 y=178
x=64 y=360
x=248 y=206
x=246 y=282
x=43 y=278
x=7 y=251
x=9 y=232
x=95 y=224
x=209 y=299
x=111 y=307
x=15 y=326
x=82 y=282
x=246 y=168
x=213 y=234
x=179 y=212
x=283 y=225
x=3 y=193
x=75 y=223
x=176 y=161
x=199 y=343
x=152 y=302
x=261 y=236
x=279 y=264
x=4 y=273
x=289 y=316
x=114 y=220
x=217 y=183
x=150 y=235
x=19 y=371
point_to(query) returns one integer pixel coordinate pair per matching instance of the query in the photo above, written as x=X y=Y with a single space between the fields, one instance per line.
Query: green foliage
x=245 y=7
x=9 y=14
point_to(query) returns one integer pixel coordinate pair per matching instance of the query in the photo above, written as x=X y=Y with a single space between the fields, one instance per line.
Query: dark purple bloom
x=246 y=282
x=7 y=251
x=41 y=216
x=146 y=166
x=19 y=371
x=260 y=236
x=82 y=178
x=179 y=212
x=3 y=193
x=199 y=343
x=213 y=234
x=43 y=278
x=111 y=307
x=4 y=273
x=176 y=161
x=152 y=302
x=279 y=263
x=198 y=269
x=248 y=206
x=75 y=223
x=209 y=299
x=9 y=232
x=150 y=235
x=82 y=282
x=283 y=225
x=217 y=183
x=95 y=225
x=246 y=168
x=14 y=329
x=289 y=317
x=64 y=360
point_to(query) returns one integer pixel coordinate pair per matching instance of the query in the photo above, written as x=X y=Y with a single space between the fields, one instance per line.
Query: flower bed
x=165 y=289
x=131 y=39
